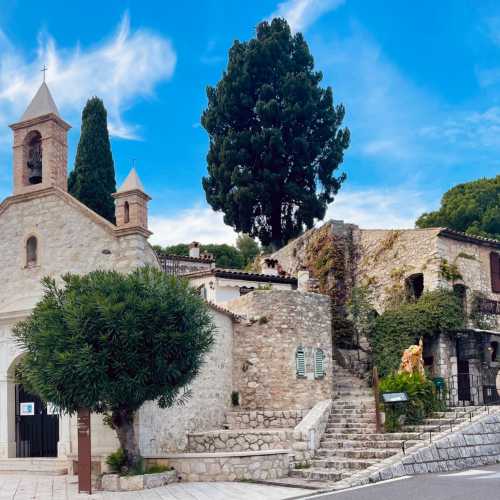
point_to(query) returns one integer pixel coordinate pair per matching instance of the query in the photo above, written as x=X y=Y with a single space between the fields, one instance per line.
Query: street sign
x=395 y=397
x=27 y=409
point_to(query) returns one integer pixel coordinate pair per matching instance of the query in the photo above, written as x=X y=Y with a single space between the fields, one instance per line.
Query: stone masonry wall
x=243 y=440
x=264 y=349
x=261 y=465
x=263 y=419
x=387 y=257
x=163 y=431
x=471 y=445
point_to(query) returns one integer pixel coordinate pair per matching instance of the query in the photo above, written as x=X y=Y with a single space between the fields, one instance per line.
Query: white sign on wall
x=26 y=409
x=52 y=409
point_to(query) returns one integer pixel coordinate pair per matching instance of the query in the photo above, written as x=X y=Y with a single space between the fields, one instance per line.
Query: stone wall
x=387 y=257
x=264 y=349
x=263 y=419
x=163 y=431
x=471 y=445
x=257 y=466
x=308 y=433
x=242 y=440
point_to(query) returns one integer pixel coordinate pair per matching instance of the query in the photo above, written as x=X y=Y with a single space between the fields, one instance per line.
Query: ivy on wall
x=396 y=329
x=325 y=257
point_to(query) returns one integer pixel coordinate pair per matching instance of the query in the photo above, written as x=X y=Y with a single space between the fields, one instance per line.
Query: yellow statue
x=412 y=360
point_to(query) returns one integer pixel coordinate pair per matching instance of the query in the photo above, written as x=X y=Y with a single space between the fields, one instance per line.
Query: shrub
x=423 y=399
x=157 y=468
x=117 y=460
x=396 y=329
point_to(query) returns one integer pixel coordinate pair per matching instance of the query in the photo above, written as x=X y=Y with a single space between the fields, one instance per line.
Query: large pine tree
x=93 y=178
x=276 y=140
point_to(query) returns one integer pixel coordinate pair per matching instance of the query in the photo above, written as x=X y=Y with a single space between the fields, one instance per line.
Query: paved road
x=474 y=484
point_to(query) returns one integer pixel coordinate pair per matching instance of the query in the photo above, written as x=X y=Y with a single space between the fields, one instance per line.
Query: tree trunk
x=123 y=423
x=276 y=231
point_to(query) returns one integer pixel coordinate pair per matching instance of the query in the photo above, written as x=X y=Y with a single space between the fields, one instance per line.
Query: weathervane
x=43 y=70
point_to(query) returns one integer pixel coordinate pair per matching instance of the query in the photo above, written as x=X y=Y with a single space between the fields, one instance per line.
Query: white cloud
x=121 y=69
x=195 y=224
x=300 y=14
x=369 y=208
x=378 y=209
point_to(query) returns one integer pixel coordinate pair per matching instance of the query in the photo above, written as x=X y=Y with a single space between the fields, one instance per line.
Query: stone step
x=443 y=421
x=338 y=419
x=361 y=454
x=35 y=466
x=340 y=464
x=362 y=444
x=353 y=436
x=317 y=474
x=352 y=427
x=353 y=411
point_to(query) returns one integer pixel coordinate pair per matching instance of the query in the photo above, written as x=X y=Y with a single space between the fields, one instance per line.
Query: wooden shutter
x=319 y=365
x=300 y=362
x=495 y=271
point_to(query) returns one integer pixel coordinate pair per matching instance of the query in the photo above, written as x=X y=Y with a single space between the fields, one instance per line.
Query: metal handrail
x=440 y=426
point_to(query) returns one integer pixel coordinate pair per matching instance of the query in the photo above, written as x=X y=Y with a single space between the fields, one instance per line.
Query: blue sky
x=420 y=82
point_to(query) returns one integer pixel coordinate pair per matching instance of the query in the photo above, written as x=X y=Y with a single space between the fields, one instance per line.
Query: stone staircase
x=351 y=442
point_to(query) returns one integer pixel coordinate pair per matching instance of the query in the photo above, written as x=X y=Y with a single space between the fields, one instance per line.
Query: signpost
x=84 y=453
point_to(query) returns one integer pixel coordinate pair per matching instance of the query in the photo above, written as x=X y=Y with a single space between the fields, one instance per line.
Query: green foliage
x=422 y=394
x=396 y=329
x=473 y=208
x=110 y=342
x=248 y=248
x=93 y=179
x=225 y=256
x=361 y=310
x=275 y=138
x=157 y=468
x=117 y=460
x=449 y=271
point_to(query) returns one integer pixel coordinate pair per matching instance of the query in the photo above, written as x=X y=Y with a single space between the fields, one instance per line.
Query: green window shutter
x=300 y=362
x=319 y=364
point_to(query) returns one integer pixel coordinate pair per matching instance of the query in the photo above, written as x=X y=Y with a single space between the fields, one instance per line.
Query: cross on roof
x=43 y=70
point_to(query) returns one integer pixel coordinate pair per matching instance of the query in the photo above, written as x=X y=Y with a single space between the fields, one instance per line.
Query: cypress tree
x=93 y=178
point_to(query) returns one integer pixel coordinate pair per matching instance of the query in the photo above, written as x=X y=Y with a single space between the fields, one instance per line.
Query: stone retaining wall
x=257 y=466
x=307 y=434
x=238 y=440
x=471 y=444
x=268 y=419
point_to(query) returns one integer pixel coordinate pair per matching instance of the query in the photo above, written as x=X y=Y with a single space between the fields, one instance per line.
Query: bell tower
x=40 y=146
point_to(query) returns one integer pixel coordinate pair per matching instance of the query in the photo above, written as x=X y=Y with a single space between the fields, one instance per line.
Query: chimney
x=194 y=250
x=270 y=266
x=303 y=277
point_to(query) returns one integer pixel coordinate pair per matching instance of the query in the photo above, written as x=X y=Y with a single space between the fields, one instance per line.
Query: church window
x=319 y=363
x=34 y=157
x=31 y=251
x=300 y=362
x=126 y=213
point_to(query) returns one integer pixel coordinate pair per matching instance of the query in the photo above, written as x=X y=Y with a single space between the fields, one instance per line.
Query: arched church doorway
x=36 y=425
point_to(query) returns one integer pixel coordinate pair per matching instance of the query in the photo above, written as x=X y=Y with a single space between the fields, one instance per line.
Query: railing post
x=376 y=395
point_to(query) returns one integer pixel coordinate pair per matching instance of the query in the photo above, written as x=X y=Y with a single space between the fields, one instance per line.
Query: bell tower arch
x=40 y=146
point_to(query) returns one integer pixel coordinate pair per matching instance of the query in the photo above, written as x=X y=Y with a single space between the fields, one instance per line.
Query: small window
x=126 y=213
x=31 y=251
x=319 y=363
x=300 y=362
x=414 y=286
